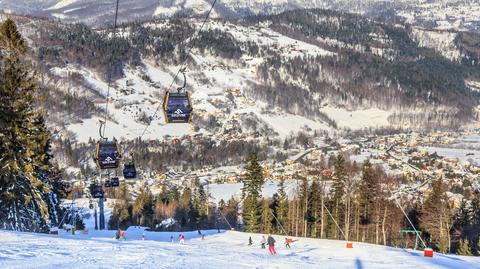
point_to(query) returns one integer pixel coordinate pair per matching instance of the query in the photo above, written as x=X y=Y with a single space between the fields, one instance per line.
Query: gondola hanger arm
x=179 y=89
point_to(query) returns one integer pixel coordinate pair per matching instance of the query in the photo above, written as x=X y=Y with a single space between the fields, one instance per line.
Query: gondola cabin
x=129 y=171
x=107 y=183
x=107 y=155
x=115 y=182
x=96 y=191
x=177 y=107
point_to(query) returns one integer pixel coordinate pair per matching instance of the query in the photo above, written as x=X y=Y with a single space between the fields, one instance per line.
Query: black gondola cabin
x=96 y=191
x=129 y=171
x=115 y=182
x=107 y=155
x=177 y=107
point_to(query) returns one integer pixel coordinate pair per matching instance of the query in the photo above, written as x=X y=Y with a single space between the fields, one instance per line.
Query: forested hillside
x=371 y=63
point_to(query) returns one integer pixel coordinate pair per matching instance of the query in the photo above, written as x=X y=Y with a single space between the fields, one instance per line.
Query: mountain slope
x=438 y=14
x=224 y=250
x=259 y=84
x=332 y=69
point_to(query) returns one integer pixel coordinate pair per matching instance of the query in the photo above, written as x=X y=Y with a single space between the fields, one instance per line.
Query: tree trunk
x=377 y=222
x=305 y=214
x=383 y=226
x=297 y=204
x=347 y=219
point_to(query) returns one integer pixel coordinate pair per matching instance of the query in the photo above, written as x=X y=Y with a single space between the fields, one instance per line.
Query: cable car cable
x=110 y=74
x=183 y=63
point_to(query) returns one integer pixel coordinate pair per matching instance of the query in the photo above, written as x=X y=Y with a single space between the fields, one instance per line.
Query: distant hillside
x=433 y=14
x=270 y=82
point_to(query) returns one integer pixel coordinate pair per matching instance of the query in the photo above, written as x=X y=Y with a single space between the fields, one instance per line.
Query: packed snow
x=99 y=249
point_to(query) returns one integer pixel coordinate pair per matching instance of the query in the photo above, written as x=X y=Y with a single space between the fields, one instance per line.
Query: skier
x=123 y=237
x=143 y=236
x=271 y=245
x=287 y=243
x=263 y=242
x=117 y=234
x=250 y=242
x=171 y=238
x=181 y=238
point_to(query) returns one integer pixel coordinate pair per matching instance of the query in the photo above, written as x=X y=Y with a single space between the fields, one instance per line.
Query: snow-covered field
x=226 y=191
x=465 y=149
x=218 y=250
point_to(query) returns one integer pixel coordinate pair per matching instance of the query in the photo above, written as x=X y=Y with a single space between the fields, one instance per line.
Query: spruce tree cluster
x=29 y=184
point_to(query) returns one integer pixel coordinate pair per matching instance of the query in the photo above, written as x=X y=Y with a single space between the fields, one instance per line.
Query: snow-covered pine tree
x=22 y=191
x=44 y=171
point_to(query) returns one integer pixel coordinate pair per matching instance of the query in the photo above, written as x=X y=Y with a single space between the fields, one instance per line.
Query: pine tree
x=221 y=204
x=43 y=169
x=230 y=212
x=315 y=208
x=143 y=208
x=200 y=204
x=303 y=198
x=253 y=182
x=252 y=185
x=464 y=249
x=122 y=211
x=337 y=194
x=281 y=211
x=367 y=197
x=24 y=161
x=436 y=216
x=267 y=217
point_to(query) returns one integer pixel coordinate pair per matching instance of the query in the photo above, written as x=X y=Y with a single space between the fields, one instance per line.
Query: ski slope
x=218 y=250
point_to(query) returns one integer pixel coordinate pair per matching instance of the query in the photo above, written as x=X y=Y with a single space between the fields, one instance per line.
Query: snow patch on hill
x=62 y=4
x=358 y=119
x=441 y=41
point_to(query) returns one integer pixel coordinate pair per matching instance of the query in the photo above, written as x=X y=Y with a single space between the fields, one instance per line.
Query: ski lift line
x=430 y=177
x=281 y=226
x=66 y=213
x=183 y=66
x=102 y=135
x=221 y=213
x=338 y=226
x=409 y=220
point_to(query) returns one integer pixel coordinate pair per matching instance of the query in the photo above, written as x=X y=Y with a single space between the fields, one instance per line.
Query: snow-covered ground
x=218 y=250
x=460 y=154
x=464 y=149
x=226 y=191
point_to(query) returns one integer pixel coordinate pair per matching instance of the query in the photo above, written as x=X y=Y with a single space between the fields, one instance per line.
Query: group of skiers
x=270 y=241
